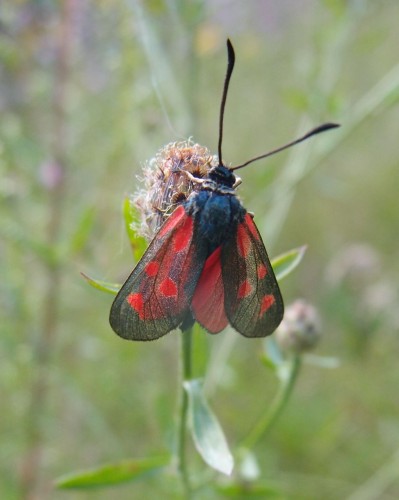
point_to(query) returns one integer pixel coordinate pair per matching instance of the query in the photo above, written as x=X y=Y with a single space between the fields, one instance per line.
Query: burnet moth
x=207 y=263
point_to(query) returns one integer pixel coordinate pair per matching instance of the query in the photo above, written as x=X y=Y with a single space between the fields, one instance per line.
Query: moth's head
x=222 y=175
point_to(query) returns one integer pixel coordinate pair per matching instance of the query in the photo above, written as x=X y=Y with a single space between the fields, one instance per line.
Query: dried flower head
x=300 y=328
x=166 y=184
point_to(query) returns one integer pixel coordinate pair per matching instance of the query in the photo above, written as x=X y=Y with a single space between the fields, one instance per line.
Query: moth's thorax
x=217 y=212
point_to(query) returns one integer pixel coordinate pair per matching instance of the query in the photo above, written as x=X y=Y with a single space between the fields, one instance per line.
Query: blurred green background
x=89 y=91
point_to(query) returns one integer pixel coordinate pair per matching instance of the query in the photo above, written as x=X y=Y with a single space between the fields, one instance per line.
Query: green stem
x=186 y=374
x=267 y=421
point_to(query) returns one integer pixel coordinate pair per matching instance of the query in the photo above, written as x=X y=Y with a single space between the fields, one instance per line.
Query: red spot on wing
x=168 y=288
x=172 y=222
x=251 y=226
x=183 y=236
x=261 y=271
x=151 y=269
x=244 y=290
x=243 y=241
x=267 y=302
x=208 y=300
x=137 y=303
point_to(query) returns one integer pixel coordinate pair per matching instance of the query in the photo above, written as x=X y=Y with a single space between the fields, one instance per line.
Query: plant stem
x=185 y=374
x=267 y=421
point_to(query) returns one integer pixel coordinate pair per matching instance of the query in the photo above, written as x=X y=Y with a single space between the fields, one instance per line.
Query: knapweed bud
x=166 y=185
x=300 y=329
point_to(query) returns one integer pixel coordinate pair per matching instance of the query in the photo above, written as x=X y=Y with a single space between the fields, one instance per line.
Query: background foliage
x=92 y=89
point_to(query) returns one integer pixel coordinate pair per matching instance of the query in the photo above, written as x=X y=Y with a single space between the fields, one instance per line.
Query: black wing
x=253 y=301
x=156 y=296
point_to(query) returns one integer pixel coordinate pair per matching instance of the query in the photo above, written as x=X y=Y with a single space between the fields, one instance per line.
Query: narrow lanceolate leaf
x=102 y=285
x=111 y=474
x=138 y=243
x=285 y=263
x=207 y=433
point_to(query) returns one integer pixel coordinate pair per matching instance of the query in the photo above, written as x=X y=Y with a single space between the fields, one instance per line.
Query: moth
x=207 y=263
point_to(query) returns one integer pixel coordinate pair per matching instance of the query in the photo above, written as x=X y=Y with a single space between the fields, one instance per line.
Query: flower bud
x=300 y=329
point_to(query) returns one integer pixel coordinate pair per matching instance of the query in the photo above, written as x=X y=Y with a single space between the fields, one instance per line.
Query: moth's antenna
x=317 y=130
x=230 y=65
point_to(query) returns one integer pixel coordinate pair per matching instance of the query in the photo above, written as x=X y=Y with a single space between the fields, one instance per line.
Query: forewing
x=155 y=298
x=253 y=301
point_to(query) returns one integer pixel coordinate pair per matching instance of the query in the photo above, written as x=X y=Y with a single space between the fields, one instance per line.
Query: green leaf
x=111 y=474
x=207 y=433
x=285 y=263
x=102 y=285
x=138 y=243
